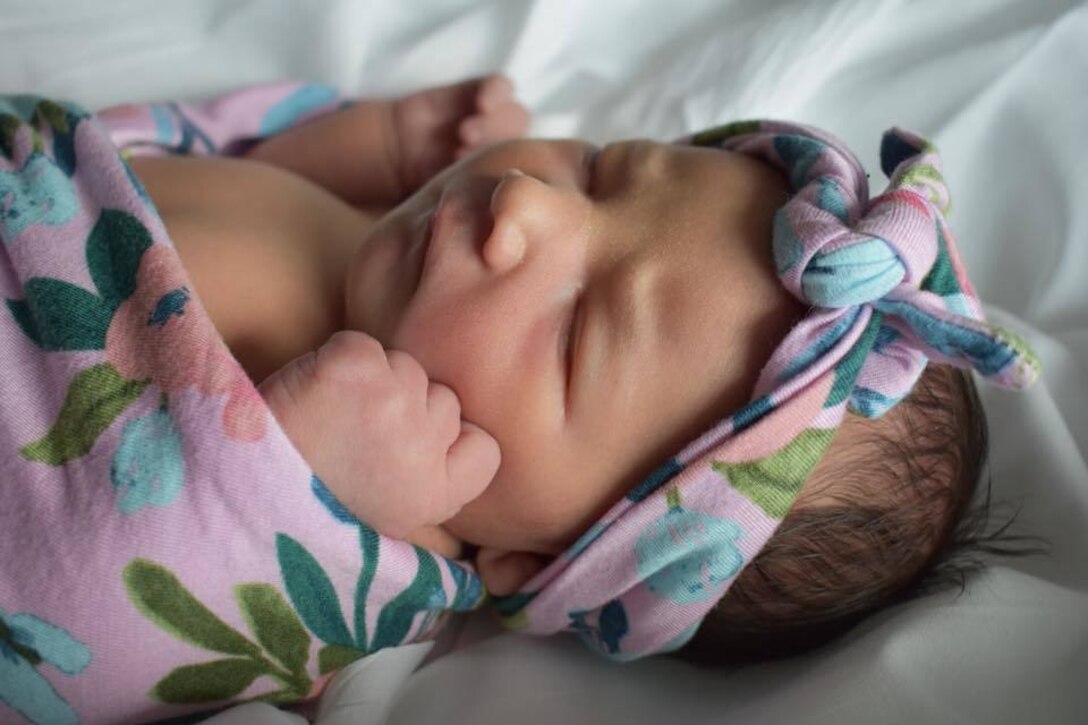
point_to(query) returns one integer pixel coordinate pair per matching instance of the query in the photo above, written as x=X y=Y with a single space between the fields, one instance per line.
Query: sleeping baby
x=704 y=397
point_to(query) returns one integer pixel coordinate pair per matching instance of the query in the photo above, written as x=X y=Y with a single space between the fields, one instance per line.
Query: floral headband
x=887 y=292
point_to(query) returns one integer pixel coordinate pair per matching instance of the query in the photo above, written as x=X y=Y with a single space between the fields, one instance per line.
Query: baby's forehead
x=687 y=196
x=703 y=171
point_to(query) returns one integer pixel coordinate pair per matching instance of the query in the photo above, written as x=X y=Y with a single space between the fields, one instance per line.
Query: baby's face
x=593 y=309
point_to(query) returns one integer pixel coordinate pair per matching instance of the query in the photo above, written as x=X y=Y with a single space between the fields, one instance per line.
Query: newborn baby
x=549 y=283
x=500 y=359
x=592 y=309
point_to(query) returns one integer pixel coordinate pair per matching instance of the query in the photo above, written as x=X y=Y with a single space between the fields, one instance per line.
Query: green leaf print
x=925 y=176
x=282 y=654
x=54 y=115
x=773 y=482
x=20 y=310
x=311 y=592
x=368 y=542
x=206 y=682
x=333 y=657
x=114 y=249
x=95 y=397
x=718 y=134
x=58 y=315
x=941 y=279
x=275 y=624
x=396 y=616
x=847 y=369
x=163 y=599
x=9 y=126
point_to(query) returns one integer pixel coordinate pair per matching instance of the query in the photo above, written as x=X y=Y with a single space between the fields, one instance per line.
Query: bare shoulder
x=264 y=248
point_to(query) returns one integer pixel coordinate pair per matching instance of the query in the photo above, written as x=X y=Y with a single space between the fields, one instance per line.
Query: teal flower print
x=38 y=193
x=148 y=468
x=26 y=643
x=607 y=631
x=290 y=110
x=687 y=556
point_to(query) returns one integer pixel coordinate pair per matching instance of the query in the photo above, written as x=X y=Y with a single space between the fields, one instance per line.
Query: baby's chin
x=481 y=527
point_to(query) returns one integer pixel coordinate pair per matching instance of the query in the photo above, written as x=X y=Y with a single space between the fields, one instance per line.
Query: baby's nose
x=504 y=248
x=527 y=212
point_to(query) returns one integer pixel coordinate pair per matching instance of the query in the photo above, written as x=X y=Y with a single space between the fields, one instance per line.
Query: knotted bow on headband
x=888 y=293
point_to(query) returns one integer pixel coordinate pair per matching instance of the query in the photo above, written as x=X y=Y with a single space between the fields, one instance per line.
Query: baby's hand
x=434 y=127
x=387 y=441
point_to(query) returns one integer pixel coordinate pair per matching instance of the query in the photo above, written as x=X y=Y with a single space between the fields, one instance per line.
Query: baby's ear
x=504 y=572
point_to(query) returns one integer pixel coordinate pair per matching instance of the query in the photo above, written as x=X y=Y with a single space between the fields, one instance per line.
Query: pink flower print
x=163 y=334
x=245 y=415
x=781 y=425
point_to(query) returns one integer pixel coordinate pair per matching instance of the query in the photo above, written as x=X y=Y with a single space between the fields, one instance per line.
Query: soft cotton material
x=163 y=546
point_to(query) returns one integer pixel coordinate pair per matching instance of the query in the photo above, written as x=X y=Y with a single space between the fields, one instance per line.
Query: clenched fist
x=386 y=440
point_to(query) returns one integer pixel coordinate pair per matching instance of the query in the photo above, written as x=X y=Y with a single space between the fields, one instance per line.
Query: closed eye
x=568 y=345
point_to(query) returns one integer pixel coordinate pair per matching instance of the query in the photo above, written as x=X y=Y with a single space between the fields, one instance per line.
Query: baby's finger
x=508 y=121
x=408 y=370
x=284 y=389
x=495 y=91
x=444 y=409
x=349 y=355
x=471 y=463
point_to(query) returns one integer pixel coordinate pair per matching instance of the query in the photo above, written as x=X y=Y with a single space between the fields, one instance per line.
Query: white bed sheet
x=1000 y=85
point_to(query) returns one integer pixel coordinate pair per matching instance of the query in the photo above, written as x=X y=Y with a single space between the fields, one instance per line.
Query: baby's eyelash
x=568 y=340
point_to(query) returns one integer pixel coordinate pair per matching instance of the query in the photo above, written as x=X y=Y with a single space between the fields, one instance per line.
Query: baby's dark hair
x=893 y=521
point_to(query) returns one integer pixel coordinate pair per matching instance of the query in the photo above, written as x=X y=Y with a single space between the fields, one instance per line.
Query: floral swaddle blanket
x=163 y=546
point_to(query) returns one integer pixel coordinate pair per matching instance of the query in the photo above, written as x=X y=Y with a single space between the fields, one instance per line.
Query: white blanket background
x=1000 y=85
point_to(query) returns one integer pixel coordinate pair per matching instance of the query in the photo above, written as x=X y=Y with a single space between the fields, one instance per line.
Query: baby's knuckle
x=442 y=393
x=443 y=402
x=330 y=366
x=359 y=344
x=293 y=382
x=407 y=366
x=348 y=355
x=399 y=357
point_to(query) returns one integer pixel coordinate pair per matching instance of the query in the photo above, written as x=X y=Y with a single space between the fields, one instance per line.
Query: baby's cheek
x=540 y=499
x=377 y=290
x=528 y=506
x=451 y=346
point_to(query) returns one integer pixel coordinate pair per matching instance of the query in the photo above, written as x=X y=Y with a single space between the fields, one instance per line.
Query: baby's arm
x=388 y=442
x=377 y=152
